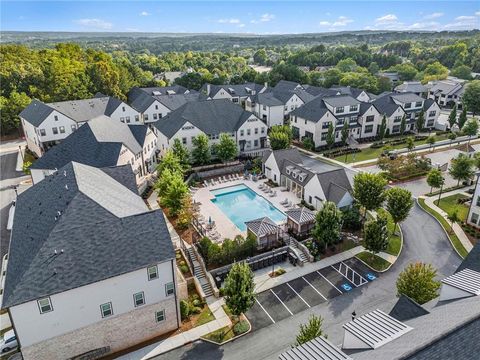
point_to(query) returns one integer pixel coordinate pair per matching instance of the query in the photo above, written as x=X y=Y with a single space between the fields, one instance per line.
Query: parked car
x=9 y=341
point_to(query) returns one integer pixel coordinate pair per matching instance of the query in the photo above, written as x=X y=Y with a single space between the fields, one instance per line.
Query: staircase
x=293 y=244
x=199 y=273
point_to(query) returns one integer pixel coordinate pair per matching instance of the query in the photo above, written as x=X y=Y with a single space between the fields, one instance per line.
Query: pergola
x=265 y=231
x=300 y=220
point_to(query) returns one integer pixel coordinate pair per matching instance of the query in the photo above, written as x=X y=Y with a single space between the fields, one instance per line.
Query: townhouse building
x=235 y=93
x=47 y=124
x=103 y=142
x=473 y=217
x=80 y=281
x=212 y=118
x=447 y=92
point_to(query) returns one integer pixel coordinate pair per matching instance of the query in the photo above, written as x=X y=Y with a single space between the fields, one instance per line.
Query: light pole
x=273 y=263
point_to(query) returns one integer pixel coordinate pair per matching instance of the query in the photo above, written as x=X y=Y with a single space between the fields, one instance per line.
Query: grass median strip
x=374 y=261
x=453 y=238
x=394 y=239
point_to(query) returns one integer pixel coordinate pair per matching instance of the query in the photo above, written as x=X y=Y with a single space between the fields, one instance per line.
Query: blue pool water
x=241 y=204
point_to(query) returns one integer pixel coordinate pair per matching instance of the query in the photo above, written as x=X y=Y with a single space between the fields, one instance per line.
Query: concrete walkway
x=221 y=320
x=457 y=229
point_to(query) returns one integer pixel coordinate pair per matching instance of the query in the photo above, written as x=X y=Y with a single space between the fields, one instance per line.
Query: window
x=55 y=117
x=397 y=119
x=45 y=305
x=160 y=315
x=309 y=199
x=368 y=129
x=353 y=108
x=478 y=201
x=152 y=272
x=145 y=117
x=418 y=104
x=396 y=129
x=123 y=108
x=156 y=107
x=106 y=309
x=432 y=113
x=122 y=119
x=324 y=136
x=159 y=115
x=55 y=130
x=137 y=118
x=127 y=119
x=139 y=299
x=369 y=118
x=235 y=100
x=184 y=141
x=169 y=289
x=255 y=143
x=263 y=130
x=326 y=125
x=408 y=105
x=155 y=116
x=62 y=129
x=256 y=131
x=248 y=131
x=339 y=110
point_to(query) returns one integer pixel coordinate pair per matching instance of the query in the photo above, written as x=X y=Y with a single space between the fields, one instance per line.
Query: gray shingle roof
x=139 y=100
x=406 y=97
x=406 y=309
x=238 y=89
x=316 y=349
x=386 y=105
x=335 y=184
x=312 y=111
x=173 y=102
x=211 y=117
x=321 y=91
x=301 y=215
x=472 y=260
x=98 y=228
x=411 y=86
x=106 y=129
x=341 y=100
x=284 y=85
x=164 y=90
x=348 y=90
x=139 y=132
x=268 y=99
x=36 y=112
x=262 y=226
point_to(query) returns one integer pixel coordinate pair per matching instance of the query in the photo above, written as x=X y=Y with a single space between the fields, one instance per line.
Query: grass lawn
x=453 y=238
x=220 y=335
x=394 y=240
x=204 y=317
x=449 y=204
x=369 y=153
x=374 y=261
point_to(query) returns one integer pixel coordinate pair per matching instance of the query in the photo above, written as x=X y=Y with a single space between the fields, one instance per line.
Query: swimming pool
x=241 y=204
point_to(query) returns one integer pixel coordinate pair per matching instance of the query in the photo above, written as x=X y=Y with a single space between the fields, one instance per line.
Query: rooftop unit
x=156 y=93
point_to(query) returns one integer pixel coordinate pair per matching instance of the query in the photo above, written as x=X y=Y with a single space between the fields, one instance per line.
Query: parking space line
x=363 y=281
x=281 y=302
x=301 y=298
x=258 y=302
x=319 y=273
x=314 y=288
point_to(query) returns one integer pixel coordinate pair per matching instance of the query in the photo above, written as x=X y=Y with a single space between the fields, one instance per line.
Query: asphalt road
x=8 y=162
x=424 y=241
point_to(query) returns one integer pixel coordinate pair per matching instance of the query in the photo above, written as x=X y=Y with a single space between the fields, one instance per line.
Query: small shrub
x=184 y=269
x=196 y=302
x=178 y=256
x=184 y=310
x=240 y=327
x=221 y=291
x=183 y=263
x=196 y=310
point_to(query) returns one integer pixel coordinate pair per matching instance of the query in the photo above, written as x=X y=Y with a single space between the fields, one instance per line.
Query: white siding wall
x=271 y=169
x=372 y=111
x=313 y=189
x=127 y=113
x=50 y=123
x=474 y=212
x=390 y=120
x=32 y=138
x=149 y=149
x=293 y=103
x=156 y=108
x=80 y=307
x=249 y=126
x=273 y=114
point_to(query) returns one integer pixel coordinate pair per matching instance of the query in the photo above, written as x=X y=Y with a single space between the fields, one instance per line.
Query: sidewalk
x=20 y=155
x=457 y=229
x=221 y=320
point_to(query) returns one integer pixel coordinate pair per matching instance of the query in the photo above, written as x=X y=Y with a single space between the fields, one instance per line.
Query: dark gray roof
x=301 y=215
x=268 y=99
x=312 y=111
x=124 y=175
x=316 y=349
x=348 y=90
x=296 y=172
x=411 y=86
x=165 y=90
x=238 y=89
x=320 y=91
x=304 y=95
x=385 y=104
x=211 y=117
x=139 y=100
x=139 y=132
x=173 y=102
x=341 y=100
x=284 y=85
x=406 y=97
x=427 y=103
x=472 y=260
x=283 y=95
x=36 y=112
x=364 y=107
x=262 y=226
x=98 y=228
x=286 y=154
x=406 y=309
x=335 y=184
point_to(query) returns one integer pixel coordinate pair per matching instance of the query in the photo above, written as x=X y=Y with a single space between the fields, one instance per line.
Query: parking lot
x=297 y=295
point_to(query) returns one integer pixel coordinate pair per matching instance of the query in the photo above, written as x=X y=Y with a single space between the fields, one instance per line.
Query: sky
x=241 y=16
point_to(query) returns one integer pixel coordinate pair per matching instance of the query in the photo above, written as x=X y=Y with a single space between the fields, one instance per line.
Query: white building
x=235 y=93
x=212 y=118
x=474 y=211
x=100 y=143
x=46 y=124
x=91 y=270
x=447 y=92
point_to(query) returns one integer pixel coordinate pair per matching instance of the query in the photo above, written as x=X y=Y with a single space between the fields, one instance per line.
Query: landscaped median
x=446 y=226
x=239 y=326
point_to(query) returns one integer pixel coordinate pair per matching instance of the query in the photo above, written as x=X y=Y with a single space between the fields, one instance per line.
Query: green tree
x=431 y=140
x=420 y=122
x=410 y=143
x=452 y=136
x=452 y=118
x=201 y=150
x=476 y=160
x=226 y=149
x=280 y=137
x=435 y=179
x=383 y=128
x=174 y=194
x=462 y=72
x=406 y=71
x=403 y=125
x=328 y=222
x=239 y=288
x=347 y=65
x=260 y=57
x=399 y=204
x=369 y=190
x=470 y=129
x=345 y=131
x=435 y=71
x=308 y=143
x=376 y=234
x=181 y=152
x=171 y=162
x=310 y=330
x=10 y=108
x=462 y=119
x=330 y=139
x=383 y=84
x=417 y=281
x=453 y=218
x=471 y=96
x=373 y=68
x=461 y=168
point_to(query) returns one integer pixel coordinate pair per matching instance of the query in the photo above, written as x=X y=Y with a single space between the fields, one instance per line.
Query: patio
x=222 y=224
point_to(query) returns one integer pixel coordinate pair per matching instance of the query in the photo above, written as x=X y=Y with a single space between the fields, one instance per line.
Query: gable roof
x=140 y=100
x=36 y=112
x=316 y=349
x=312 y=111
x=335 y=184
x=262 y=226
x=173 y=102
x=284 y=85
x=386 y=105
x=268 y=99
x=76 y=227
x=139 y=133
x=472 y=260
x=211 y=117
x=341 y=100
x=411 y=86
x=348 y=90
x=238 y=89
x=301 y=215
x=406 y=309
x=320 y=91
x=164 y=90
x=281 y=155
x=406 y=97
x=467 y=280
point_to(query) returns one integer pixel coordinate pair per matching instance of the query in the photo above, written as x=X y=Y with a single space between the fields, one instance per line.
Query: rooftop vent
x=170 y=92
x=156 y=93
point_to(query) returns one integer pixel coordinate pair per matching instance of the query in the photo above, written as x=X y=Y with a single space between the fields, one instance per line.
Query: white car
x=9 y=342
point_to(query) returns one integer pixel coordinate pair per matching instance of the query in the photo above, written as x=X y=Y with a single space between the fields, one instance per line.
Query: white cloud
x=462 y=23
x=428 y=25
x=389 y=18
x=229 y=21
x=144 y=13
x=267 y=17
x=94 y=23
x=477 y=13
x=241 y=25
x=324 y=23
x=341 y=21
x=464 y=18
x=132 y=29
x=434 y=15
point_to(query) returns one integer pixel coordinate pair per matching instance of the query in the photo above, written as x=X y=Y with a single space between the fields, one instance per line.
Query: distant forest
x=64 y=66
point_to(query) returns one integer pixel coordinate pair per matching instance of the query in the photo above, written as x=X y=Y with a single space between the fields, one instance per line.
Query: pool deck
x=225 y=226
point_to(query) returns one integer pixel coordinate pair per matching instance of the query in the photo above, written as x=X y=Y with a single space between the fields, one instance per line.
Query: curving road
x=424 y=240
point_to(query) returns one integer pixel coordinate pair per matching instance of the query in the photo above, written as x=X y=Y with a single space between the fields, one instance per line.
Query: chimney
x=208 y=89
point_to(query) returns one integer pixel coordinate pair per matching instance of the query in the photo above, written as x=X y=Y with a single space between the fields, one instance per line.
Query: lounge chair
x=273 y=193
x=284 y=202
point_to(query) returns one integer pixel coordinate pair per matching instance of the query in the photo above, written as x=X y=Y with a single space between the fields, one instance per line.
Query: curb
x=232 y=339
x=438 y=221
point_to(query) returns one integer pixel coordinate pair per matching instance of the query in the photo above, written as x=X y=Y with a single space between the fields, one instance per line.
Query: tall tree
x=369 y=190
x=383 y=128
x=10 y=108
x=310 y=331
x=470 y=129
x=327 y=227
x=410 y=143
x=431 y=140
x=435 y=179
x=181 y=152
x=345 y=133
x=174 y=194
x=461 y=168
x=471 y=96
x=201 y=150
x=420 y=121
x=452 y=118
x=462 y=119
x=171 y=162
x=399 y=204
x=417 y=281
x=239 y=288
x=376 y=234
x=280 y=137
x=226 y=149
x=453 y=218
x=403 y=125
x=330 y=136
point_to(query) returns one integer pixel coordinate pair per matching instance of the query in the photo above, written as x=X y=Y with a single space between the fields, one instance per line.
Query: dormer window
x=339 y=110
x=408 y=105
x=418 y=104
x=354 y=108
